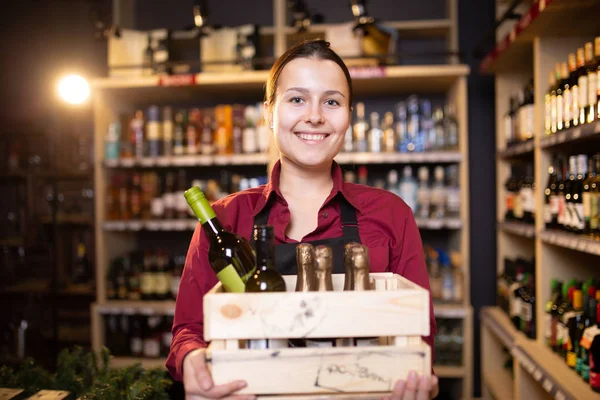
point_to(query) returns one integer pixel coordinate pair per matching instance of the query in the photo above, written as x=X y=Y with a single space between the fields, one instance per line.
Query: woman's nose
x=315 y=114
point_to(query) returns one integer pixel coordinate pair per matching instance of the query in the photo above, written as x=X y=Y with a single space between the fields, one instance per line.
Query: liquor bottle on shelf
x=134 y=276
x=550 y=198
x=451 y=127
x=514 y=299
x=438 y=194
x=401 y=127
x=565 y=307
x=563 y=179
x=509 y=125
x=193 y=131
x=178 y=263
x=136 y=134
x=167 y=131
x=375 y=134
x=230 y=255
x=179 y=133
x=441 y=141
x=360 y=129
x=527 y=194
x=510 y=194
x=409 y=188
x=249 y=143
x=413 y=125
x=590 y=196
x=573 y=319
x=526 y=114
x=453 y=193
x=577 y=221
x=562 y=75
x=555 y=288
x=136 y=196
x=520 y=192
x=570 y=82
x=423 y=194
x=588 y=334
x=575 y=92
x=582 y=323
x=265 y=278
x=389 y=136
x=153 y=131
x=550 y=106
x=584 y=90
x=82 y=269
x=594 y=84
x=527 y=316
x=427 y=128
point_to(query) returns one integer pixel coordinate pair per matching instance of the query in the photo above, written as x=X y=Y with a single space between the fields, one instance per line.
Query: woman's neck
x=298 y=182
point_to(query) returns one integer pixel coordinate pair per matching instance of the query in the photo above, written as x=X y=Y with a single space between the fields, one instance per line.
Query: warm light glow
x=73 y=89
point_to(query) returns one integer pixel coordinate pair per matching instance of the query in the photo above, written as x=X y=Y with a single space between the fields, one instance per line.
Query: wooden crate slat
x=11 y=394
x=320 y=370
x=316 y=314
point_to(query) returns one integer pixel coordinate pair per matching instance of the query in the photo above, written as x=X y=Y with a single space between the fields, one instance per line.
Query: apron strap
x=349 y=220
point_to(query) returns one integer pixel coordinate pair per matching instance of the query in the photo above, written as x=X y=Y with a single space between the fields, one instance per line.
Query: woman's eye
x=332 y=103
x=296 y=100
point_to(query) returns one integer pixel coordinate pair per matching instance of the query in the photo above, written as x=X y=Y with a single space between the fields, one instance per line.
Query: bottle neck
x=265 y=254
x=212 y=227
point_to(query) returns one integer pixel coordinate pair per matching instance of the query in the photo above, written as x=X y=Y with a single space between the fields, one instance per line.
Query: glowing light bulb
x=73 y=89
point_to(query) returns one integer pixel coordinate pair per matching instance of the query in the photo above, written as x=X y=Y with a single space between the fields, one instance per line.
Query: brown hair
x=318 y=49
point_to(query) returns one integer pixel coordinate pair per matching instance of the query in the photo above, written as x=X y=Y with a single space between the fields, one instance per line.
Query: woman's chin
x=311 y=160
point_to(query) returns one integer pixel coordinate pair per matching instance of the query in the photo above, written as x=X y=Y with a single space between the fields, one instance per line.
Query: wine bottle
x=349 y=266
x=230 y=255
x=265 y=278
x=573 y=319
x=361 y=282
x=588 y=334
x=305 y=259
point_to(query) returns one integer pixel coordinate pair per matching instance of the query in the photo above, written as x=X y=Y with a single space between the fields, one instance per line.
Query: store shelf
x=571 y=241
x=518 y=228
x=43 y=287
x=436 y=224
x=399 y=158
x=189 y=161
x=552 y=372
x=500 y=325
x=168 y=225
x=500 y=384
x=166 y=307
x=544 y=18
x=448 y=371
x=147 y=363
x=519 y=150
x=366 y=81
x=578 y=134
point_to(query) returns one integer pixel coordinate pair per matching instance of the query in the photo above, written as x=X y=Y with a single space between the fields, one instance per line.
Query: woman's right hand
x=198 y=383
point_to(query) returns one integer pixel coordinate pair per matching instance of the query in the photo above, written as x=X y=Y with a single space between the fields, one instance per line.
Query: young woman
x=308 y=107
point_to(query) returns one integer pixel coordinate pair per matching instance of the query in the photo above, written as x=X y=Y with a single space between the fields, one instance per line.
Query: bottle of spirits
x=438 y=194
x=401 y=128
x=389 y=135
x=528 y=196
x=562 y=74
x=348 y=264
x=360 y=129
x=375 y=134
x=265 y=278
x=82 y=270
x=584 y=89
x=423 y=194
x=555 y=292
x=510 y=195
x=167 y=131
x=563 y=179
x=193 y=131
x=576 y=89
x=451 y=127
x=453 y=193
x=551 y=199
x=414 y=124
x=570 y=220
x=595 y=201
x=573 y=319
x=586 y=196
x=153 y=131
x=527 y=113
x=594 y=82
x=408 y=188
x=230 y=255
x=578 y=225
x=570 y=82
x=323 y=282
x=509 y=125
x=549 y=117
x=179 y=133
x=588 y=334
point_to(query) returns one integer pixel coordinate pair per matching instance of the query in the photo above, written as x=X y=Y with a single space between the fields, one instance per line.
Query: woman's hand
x=198 y=383
x=415 y=388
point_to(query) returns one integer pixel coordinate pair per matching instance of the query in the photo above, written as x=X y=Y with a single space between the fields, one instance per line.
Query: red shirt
x=386 y=226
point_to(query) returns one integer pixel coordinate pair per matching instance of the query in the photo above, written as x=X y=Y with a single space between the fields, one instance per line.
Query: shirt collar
x=339 y=186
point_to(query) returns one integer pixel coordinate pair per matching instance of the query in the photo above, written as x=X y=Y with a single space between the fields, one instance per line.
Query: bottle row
x=446 y=279
x=573 y=95
x=515 y=294
x=519 y=195
x=128 y=334
x=145 y=275
x=149 y=195
x=572 y=195
x=428 y=198
x=239 y=129
x=572 y=326
x=448 y=342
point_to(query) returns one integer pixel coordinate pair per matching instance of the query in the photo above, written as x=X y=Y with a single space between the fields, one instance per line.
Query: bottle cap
x=199 y=204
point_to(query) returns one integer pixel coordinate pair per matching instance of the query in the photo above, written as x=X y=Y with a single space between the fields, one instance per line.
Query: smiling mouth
x=312 y=136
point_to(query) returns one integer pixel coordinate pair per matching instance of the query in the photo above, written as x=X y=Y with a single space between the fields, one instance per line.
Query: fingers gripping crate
x=396 y=312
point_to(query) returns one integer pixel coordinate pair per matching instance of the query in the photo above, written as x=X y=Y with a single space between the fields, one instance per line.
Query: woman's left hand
x=415 y=388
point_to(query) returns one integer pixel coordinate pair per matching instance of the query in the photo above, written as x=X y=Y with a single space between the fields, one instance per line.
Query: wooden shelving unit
x=114 y=96
x=544 y=35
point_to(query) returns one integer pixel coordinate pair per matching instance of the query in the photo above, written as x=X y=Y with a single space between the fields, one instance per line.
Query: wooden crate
x=397 y=312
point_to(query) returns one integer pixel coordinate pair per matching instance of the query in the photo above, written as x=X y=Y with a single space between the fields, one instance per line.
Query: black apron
x=285 y=253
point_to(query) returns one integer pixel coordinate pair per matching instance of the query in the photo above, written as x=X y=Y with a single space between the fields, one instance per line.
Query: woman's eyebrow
x=304 y=90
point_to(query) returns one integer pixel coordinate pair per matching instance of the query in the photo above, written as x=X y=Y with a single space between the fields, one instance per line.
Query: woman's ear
x=268 y=115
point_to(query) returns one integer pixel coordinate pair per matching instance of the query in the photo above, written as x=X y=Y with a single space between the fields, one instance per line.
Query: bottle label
x=568 y=220
x=586 y=199
x=560 y=110
x=163 y=284
x=151 y=347
x=578 y=365
x=528 y=125
x=510 y=201
x=137 y=345
x=553 y=113
x=518 y=208
x=568 y=106
x=167 y=131
x=453 y=200
x=508 y=129
x=547 y=114
x=561 y=209
x=578 y=221
x=594 y=378
x=526 y=313
x=147 y=284
x=231 y=280
x=249 y=140
x=548 y=326
x=575 y=102
x=153 y=131
x=592 y=89
x=583 y=92
x=157 y=206
x=571 y=359
x=594 y=216
x=588 y=336
x=585 y=372
x=527 y=195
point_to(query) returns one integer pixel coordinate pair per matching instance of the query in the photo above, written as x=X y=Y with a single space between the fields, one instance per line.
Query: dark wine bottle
x=230 y=255
x=265 y=278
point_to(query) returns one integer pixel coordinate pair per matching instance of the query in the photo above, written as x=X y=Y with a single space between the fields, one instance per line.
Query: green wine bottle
x=265 y=278
x=230 y=255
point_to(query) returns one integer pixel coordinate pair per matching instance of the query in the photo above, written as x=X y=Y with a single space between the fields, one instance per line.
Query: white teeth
x=307 y=136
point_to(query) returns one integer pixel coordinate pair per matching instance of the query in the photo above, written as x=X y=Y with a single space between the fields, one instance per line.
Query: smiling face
x=311 y=112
